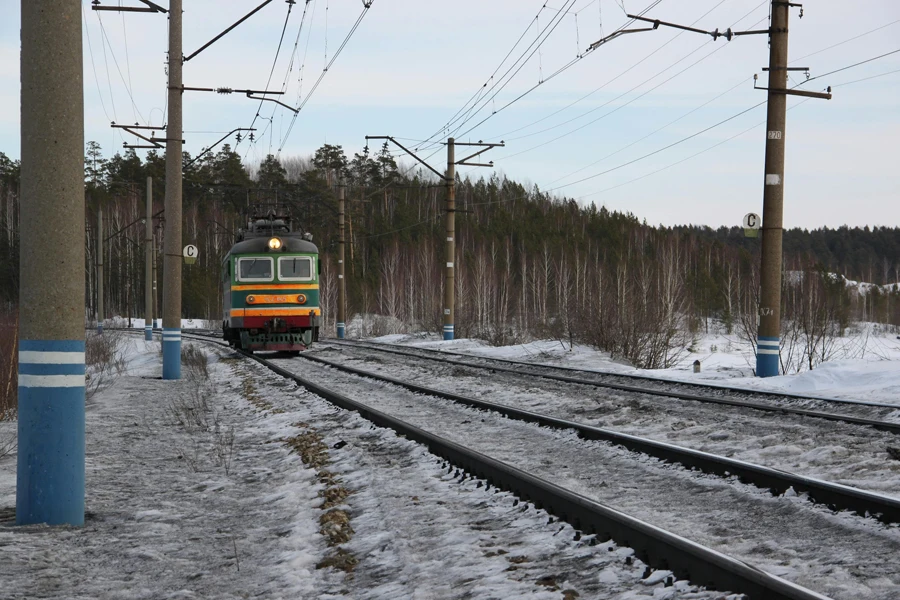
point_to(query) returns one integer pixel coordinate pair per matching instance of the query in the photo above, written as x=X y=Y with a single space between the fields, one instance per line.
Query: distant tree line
x=529 y=264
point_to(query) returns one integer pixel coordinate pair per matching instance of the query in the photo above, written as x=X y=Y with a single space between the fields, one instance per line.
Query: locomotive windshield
x=295 y=268
x=255 y=269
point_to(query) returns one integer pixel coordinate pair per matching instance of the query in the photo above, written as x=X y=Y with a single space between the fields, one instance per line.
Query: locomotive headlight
x=251 y=299
x=275 y=243
x=301 y=299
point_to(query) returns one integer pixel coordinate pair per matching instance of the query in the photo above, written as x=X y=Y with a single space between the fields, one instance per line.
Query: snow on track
x=165 y=519
x=844 y=453
x=840 y=555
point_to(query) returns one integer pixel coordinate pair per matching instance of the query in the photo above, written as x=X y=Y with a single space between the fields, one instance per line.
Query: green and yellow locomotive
x=271 y=285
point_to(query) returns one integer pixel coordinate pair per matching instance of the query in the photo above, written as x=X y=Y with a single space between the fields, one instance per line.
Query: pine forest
x=530 y=265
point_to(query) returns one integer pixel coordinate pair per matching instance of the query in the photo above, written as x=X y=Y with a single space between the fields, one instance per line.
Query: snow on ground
x=817 y=448
x=870 y=372
x=138 y=323
x=801 y=541
x=193 y=491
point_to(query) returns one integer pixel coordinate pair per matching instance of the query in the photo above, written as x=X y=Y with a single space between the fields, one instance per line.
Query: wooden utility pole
x=171 y=336
x=342 y=285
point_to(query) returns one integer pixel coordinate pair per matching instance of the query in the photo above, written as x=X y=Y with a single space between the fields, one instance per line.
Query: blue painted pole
x=171 y=313
x=342 y=285
x=767 y=356
x=171 y=347
x=450 y=218
x=100 y=309
x=148 y=264
x=50 y=460
x=50 y=469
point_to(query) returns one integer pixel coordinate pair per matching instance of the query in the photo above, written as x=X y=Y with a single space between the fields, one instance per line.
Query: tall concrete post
x=148 y=265
x=171 y=336
x=449 y=298
x=342 y=289
x=101 y=313
x=768 y=339
x=50 y=468
x=156 y=318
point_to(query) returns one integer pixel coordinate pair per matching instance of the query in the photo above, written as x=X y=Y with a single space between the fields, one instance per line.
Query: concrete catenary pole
x=171 y=337
x=50 y=462
x=101 y=313
x=768 y=340
x=449 y=309
x=148 y=265
x=342 y=286
x=153 y=246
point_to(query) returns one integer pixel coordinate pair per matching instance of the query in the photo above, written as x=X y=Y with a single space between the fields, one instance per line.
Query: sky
x=633 y=125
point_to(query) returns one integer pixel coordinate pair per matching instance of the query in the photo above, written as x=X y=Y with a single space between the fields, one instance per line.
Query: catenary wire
x=674 y=164
x=638 y=97
x=655 y=131
x=658 y=150
x=504 y=80
x=717 y=97
x=365 y=10
x=93 y=66
x=867 y=78
x=716 y=125
x=274 y=62
x=862 y=62
x=528 y=91
x=856 y=37
x=629 y=69
x=112 y=98
x=119 y=70
x=128 y=60
x=481 y=89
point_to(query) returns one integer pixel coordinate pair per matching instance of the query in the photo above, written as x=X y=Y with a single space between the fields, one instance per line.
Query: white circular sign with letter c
x=752 y=221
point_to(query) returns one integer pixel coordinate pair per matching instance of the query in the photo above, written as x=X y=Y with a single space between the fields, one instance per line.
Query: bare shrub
x=195 y=360
x=223 y=446
x=104 y=355
x=9 y=363
x=8 y=439
x=190 y=408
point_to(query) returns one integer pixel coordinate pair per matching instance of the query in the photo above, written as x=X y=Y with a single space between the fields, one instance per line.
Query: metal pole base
x=99 y=327
x=50 y=470
x=171 y=347
x=767 y=356
x=448 y=332
x=340 y=331
x=148 y=333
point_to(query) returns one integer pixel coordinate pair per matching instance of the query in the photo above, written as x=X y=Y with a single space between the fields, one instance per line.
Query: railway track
x=657 y=547
x=775 y=403
x=835 y=496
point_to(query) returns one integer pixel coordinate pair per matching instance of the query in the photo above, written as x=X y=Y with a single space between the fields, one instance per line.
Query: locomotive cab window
x=255 y=269
x=295 y=268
